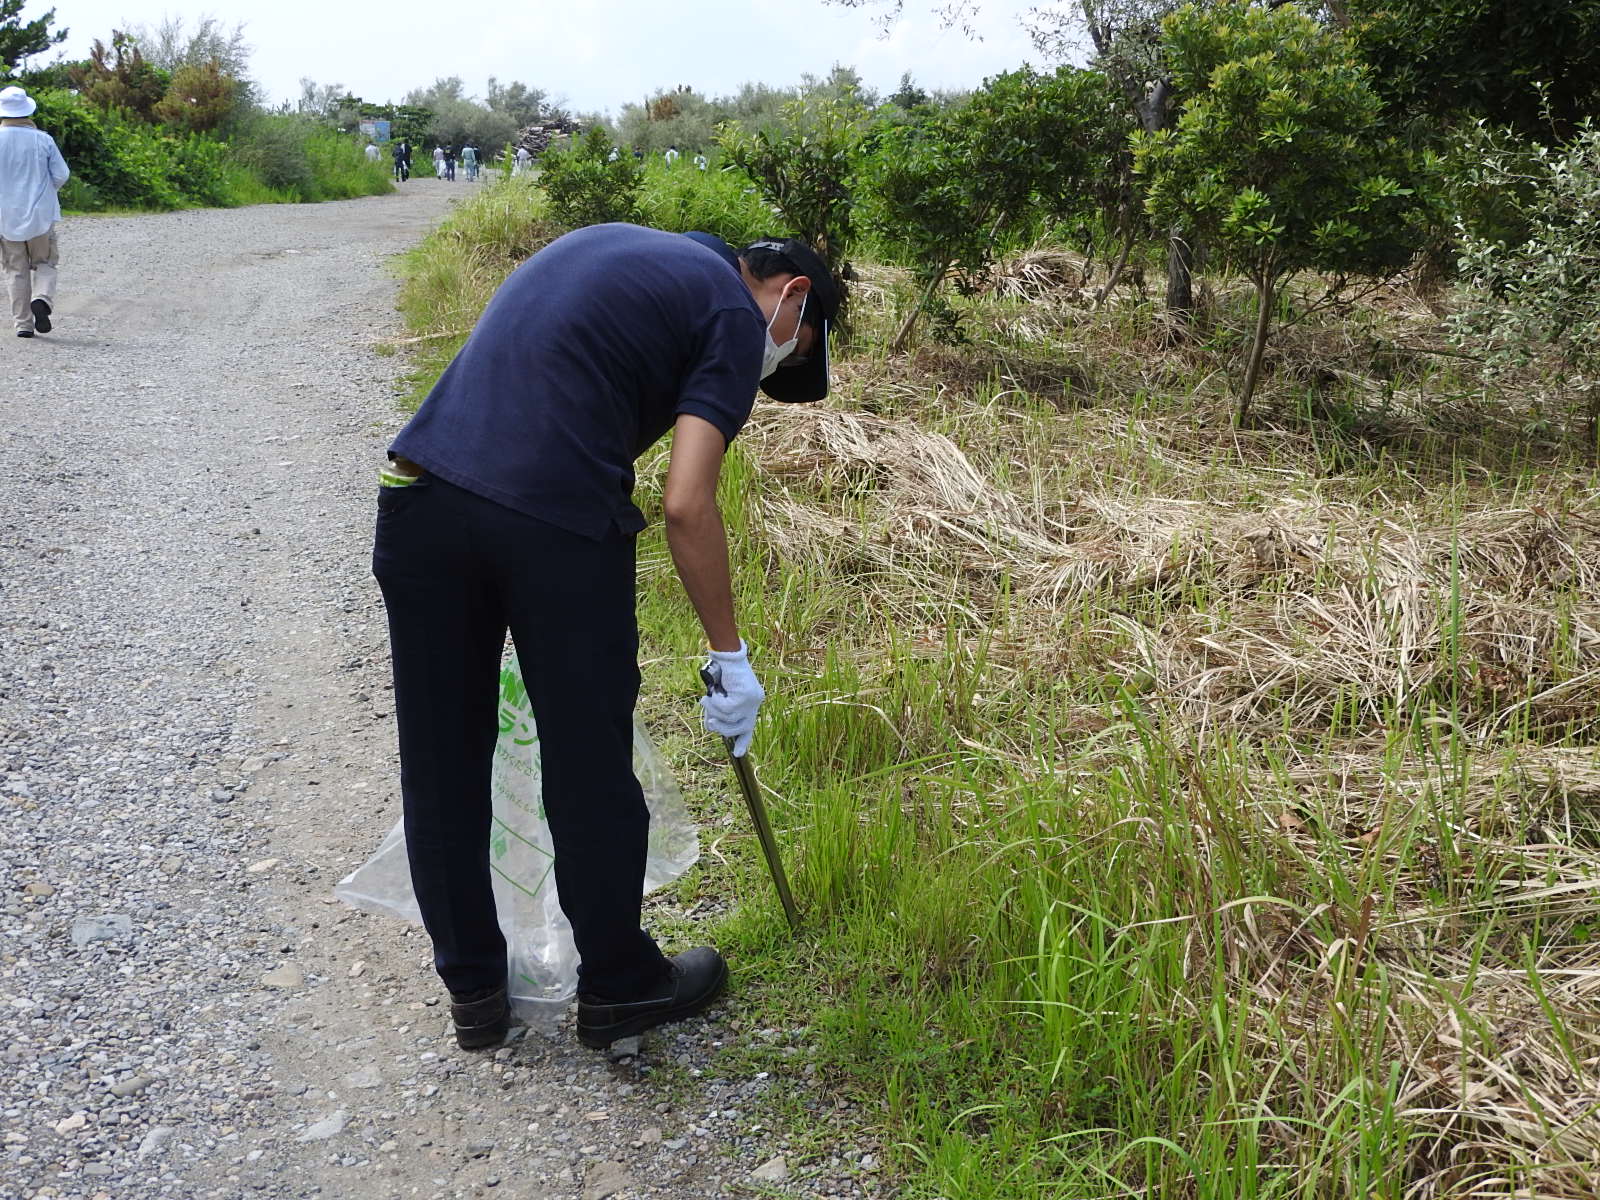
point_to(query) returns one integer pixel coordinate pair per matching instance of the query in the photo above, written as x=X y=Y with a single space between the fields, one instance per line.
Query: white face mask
x=774 y=354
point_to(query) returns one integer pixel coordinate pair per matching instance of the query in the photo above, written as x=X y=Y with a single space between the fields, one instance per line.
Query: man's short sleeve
x=720 y=385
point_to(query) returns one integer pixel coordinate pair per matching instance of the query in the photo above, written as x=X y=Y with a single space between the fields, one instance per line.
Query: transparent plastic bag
x=543 y=960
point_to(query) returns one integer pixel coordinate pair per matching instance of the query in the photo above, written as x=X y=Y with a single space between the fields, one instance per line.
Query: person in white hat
x=31 y=173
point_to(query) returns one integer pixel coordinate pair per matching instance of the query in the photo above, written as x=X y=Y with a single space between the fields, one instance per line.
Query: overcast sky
x=598 y=54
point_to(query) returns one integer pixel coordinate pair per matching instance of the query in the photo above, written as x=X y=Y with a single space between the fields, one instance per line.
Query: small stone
x=676 y=1143
x=651 y=1136
x=286 y=976
x=155 y=1141
x=599 y=1114
x=622 y=1048
x=39 y=889
x=265 y=864
x=356 y=968
x=221 y=795
x=99 y=1170
x=108 y=927
x=131 y=1087
x=171 y=865
x=773 y=1171
x=366 y=1077
x=71 y=1124
x=606 y=1179
x=324 y=1129
x=389 y=1147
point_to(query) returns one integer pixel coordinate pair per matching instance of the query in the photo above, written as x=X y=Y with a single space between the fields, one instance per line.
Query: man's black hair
x=764 y=264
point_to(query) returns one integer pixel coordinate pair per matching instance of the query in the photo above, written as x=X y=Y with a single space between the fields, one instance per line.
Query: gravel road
x=196 y=742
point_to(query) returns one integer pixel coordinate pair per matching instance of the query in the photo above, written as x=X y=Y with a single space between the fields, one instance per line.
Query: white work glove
x=733 y=696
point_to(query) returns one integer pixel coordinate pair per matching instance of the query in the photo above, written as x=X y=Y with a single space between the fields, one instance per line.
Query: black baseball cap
x=807 y=382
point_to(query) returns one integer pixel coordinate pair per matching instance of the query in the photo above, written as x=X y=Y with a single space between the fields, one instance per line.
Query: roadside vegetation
x=167 y=118
x=1183 y=700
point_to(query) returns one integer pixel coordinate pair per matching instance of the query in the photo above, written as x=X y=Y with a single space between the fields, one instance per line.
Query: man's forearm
x=700 y=551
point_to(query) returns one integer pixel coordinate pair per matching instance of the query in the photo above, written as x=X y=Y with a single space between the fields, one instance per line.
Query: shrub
x=199 y=171
x=199 y=99
x=805 y=171
x=587 y=186
x=1540 y=292
x=274 y=150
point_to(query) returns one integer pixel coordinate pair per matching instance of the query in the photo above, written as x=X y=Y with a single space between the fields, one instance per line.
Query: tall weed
x=681 y=198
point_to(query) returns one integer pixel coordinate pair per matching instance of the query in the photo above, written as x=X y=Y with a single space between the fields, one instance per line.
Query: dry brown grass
x=1243 y=590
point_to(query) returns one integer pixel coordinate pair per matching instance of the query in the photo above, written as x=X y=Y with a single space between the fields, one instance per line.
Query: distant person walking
x=31 y=173
x=469 y=158
x=438 y=162
x=700 y=162
x=402 y=160
x=450 y=163
x=672 y=155
x=525 y=160
x=373 y=153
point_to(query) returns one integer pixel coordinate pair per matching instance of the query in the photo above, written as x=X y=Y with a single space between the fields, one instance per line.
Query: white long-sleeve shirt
x=31 y=172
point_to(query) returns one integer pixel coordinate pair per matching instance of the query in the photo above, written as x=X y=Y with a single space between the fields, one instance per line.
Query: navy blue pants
x=457 y=571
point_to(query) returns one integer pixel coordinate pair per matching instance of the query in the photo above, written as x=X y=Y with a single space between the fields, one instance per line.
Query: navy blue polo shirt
x=587 y=354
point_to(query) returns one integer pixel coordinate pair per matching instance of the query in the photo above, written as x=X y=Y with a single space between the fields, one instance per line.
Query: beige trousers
x=30 y=271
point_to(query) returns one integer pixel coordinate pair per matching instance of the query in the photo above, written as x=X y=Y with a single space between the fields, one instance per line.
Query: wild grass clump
x=681 y=198
x=450 y=275
x=1176 y=810
x=308 y=161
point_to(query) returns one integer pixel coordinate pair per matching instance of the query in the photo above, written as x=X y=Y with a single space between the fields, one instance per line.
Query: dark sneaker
x=24 y=333
x=694 y=979
x=482 y=1018
x=41 y=315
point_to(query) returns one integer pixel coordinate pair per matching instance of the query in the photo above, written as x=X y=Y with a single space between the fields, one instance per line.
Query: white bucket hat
x=14 y=102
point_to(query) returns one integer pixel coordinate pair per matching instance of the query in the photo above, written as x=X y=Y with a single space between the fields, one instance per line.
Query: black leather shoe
x=24 y=333
x=694 y=979
x=41 y=315
x=482 y=1018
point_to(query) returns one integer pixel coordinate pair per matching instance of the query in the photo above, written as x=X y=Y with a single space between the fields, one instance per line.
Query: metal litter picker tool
x=758 y=811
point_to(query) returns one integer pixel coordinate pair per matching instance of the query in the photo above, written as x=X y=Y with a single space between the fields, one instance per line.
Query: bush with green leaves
x=1540 y=295
x=805 y=169
x=116 y=162
x=942 y=193
x=587 y=185
x=1280 y=160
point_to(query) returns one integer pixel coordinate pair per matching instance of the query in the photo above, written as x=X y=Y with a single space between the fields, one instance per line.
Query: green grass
x=1175 y=810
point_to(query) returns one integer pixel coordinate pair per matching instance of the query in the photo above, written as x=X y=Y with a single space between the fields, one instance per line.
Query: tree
x=1533 y=65
x=20 y=40
x=804 y=168
x=1280 y=159
x=322 y=100
x=199 y=99
x=171 y=45
x=1542 y=293
x=522 y=104
x=681 y=117
x=944 y=190
x=119 y=77
x=908 y=95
